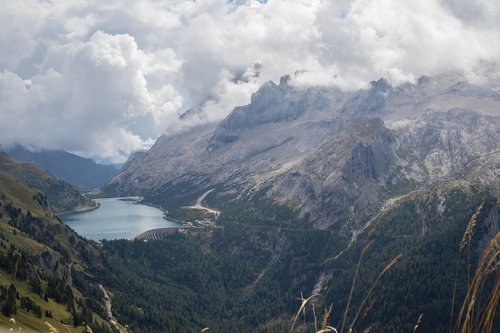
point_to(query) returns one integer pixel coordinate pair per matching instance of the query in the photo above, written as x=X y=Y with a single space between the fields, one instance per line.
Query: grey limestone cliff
x=335 y=155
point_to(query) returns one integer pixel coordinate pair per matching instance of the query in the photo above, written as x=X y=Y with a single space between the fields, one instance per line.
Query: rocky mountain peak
x=272 y=103
x=331 y=150
x=284 y=81
x=269 y=94
x=381 y=85
x=368 y=102
x=424 y=79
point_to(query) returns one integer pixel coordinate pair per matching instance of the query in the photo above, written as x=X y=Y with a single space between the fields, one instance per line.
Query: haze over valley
x=250 y=166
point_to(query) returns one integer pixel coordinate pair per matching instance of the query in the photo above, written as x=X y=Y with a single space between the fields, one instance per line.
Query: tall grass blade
x=385 y=270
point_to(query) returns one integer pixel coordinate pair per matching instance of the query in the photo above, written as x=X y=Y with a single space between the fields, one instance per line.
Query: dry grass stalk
x=326 y=315
x=353 y=284
x=469 y=231
x=467 y=238
x=385 y=270
x=301 y=309
x=328 y=329
x=466 y=241
x=369 y=307
x=419 y=320
x=471 y=317
x=486 y=320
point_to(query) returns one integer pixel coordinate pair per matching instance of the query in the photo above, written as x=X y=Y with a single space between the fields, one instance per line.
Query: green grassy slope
x=61 y=195
x=38 y=257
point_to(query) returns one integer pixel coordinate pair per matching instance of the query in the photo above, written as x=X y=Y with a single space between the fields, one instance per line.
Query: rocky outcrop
x=369 y=102
x=349 y=171
x=274 y=103
x=445 y=143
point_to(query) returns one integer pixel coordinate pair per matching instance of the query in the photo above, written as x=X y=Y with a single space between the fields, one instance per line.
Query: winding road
x=199 y=204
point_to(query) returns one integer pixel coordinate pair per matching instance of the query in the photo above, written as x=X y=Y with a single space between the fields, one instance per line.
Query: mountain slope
x=327 y=150
x=305 y=196
x=310 y=182
x=42 y=262
x=61 y=195
x=70 y=167
x=246 y=275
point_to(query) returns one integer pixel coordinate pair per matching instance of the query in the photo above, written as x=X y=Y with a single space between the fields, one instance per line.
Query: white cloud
x=106 y=78
x=91 y=97
x=400 y=40
x=20 y=24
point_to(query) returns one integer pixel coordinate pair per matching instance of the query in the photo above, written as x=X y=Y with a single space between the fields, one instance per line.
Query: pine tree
x=9 y=307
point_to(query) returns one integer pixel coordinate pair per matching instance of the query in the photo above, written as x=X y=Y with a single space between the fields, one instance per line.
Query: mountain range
x=316 y=186
x=67 y=166
x=333 y=156
x=369 y=211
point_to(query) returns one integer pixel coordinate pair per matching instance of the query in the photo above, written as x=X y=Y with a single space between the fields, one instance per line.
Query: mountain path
x=388 y=204
x=107 y=305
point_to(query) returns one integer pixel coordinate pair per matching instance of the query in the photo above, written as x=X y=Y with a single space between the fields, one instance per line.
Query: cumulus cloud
x=90 y=97
x=106 y=78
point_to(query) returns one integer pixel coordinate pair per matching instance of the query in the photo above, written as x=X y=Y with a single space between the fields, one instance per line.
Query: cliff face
x=337 y=156
x=274 y=103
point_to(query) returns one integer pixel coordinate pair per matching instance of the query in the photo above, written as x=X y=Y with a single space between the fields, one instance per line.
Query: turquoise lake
x=116 y=218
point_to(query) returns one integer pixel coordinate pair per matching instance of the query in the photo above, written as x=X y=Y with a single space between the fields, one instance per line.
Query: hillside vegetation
x=61 y=196
x=38 y=258
x=368 y=211
x=248 y=275
x=70 y=167
x=252 y=271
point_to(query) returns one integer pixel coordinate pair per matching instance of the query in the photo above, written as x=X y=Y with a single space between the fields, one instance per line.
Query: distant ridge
x=70 y=167
x=61 y=195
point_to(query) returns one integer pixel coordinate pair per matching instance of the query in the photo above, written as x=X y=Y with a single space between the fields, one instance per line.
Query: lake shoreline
x=84 y=209
x=167 y=217
x=117 y=218
x=81 y=209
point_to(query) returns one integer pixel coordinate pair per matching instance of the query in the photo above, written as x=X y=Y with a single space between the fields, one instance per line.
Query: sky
x=105 y=78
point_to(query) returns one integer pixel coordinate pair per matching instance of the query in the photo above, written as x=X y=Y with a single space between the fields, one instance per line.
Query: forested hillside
x=40 y=258
x=248 y=275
